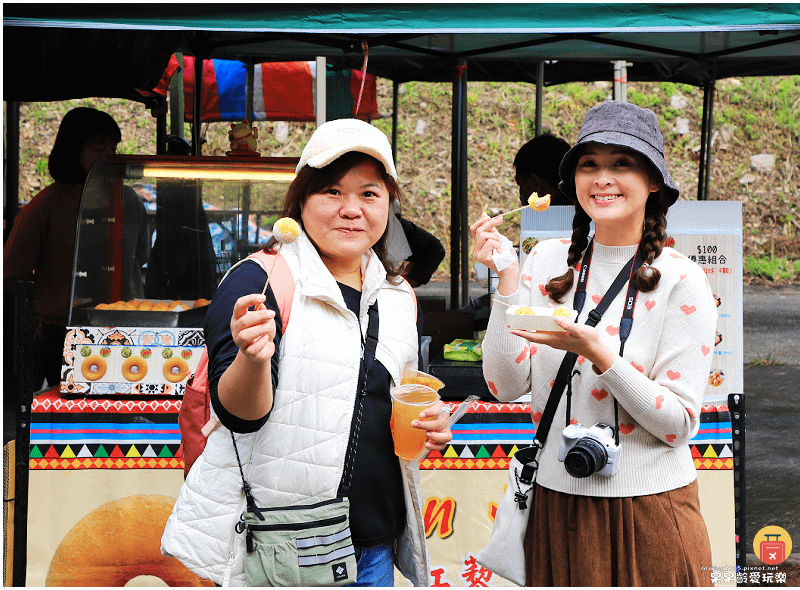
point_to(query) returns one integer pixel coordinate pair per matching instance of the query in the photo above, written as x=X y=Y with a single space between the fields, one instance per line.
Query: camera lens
x=587 y=457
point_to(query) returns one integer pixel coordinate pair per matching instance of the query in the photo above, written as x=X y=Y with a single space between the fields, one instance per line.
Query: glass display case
x=162 y=230
x=155 y=235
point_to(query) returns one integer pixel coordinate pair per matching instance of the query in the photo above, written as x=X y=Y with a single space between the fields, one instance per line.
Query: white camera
x=585 y=451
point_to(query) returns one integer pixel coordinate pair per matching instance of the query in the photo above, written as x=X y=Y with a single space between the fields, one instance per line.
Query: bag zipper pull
x=249 y=540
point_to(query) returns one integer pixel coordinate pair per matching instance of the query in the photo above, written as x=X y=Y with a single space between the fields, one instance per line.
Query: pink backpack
x=194 y=417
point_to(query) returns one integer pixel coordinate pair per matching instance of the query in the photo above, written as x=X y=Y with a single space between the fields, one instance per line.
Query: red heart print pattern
x=671 y=437
x=683 y=277
x=566 y=241
x=673 y=375
x=659 y=402
x=578 y=267
x=536 y=417
x=526 y=278
x=688 y=309
x=650 y=304
x=599 y=394
x=573 y=421
x=543 y=289
x=492 y=388
x=675 y=255
x=705 y=350
x=691 y=413
x=597 y=299
x=581 y=359
x=553 y=382
x=627 y=428
x=612 y=330
x=639 y=368
x=526 y=352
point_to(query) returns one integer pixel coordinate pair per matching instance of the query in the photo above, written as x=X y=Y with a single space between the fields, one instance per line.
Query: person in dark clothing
x=41 y=245
x=536 y=165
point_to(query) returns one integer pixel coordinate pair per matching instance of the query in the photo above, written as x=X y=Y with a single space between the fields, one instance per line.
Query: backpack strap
x=282 y=282
x=282 y=287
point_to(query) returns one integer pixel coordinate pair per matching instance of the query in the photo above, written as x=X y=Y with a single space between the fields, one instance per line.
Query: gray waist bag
x=307 y=545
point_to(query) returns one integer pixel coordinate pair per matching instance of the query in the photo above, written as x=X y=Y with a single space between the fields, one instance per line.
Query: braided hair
x=646 y=278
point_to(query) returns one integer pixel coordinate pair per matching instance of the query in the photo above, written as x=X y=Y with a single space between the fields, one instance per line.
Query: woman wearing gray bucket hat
x=624 y=512
x=309 y=399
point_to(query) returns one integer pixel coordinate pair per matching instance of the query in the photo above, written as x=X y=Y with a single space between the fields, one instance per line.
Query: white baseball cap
x=338 y=137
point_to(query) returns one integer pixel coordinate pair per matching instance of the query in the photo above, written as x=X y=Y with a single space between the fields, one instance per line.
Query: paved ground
x=772 y=452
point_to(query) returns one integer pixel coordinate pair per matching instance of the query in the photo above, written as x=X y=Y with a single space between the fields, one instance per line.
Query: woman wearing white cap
x=625 y=513
x=293 y=443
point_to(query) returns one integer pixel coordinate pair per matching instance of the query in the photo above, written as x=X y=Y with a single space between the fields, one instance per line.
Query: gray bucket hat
x=619 y=123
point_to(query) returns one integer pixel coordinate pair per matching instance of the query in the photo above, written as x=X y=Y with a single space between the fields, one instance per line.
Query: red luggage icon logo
x=773 y=552
x=772 y=544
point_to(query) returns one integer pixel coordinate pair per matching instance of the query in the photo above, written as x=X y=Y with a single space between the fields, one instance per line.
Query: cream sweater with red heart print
x=659 y=382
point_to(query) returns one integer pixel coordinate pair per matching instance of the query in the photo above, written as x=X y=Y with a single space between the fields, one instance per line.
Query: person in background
x=635 y=521
x=260 y=377
x=41 y=244
x=417 y=252
x=536 y=165
x=182 y=260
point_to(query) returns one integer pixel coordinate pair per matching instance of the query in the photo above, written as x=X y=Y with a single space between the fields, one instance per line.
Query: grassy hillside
x=752 y=116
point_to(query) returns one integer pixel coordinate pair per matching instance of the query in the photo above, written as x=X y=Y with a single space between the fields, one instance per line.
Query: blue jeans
x=375 y=566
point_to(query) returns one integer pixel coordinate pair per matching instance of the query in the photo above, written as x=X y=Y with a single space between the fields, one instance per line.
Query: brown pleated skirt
x=656 y=540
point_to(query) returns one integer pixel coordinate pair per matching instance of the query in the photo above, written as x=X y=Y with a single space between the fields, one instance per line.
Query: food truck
x=105 y=455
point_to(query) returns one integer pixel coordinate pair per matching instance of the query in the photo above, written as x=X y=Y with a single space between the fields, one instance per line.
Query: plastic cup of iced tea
x=420 y=378
x=407 y=402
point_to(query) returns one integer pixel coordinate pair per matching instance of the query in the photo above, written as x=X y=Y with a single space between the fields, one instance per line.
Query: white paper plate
x=541 y=322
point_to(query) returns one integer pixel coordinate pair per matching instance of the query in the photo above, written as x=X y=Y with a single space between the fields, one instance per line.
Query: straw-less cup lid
x=338 y=137
x=623 y=124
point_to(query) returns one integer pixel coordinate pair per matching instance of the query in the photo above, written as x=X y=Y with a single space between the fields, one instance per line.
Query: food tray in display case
x=186 y=317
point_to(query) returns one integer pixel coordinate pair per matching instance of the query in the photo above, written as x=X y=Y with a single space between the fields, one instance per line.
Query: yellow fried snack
x=538 y=203
x=286 y=230
x=524 y=311
x=561 y=312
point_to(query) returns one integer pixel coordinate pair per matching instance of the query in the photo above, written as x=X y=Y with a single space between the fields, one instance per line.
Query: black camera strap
x=626 y=322
x=564 y=375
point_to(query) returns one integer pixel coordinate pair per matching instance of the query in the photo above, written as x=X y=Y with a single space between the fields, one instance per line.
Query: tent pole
x=251 y=79
x=160 y=113
x=12 y=167
x=539 y=98
x=705 y=140
x=458 y=175
x=464 y=197
x=321 y=89
x=176 y=102
x=621 y=81
x=395 y=103
x=197 y=114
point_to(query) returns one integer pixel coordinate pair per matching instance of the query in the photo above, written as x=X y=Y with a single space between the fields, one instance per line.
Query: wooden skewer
x=532 y=199
x=501 y=303
x=510 y=212
x=269 y=274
